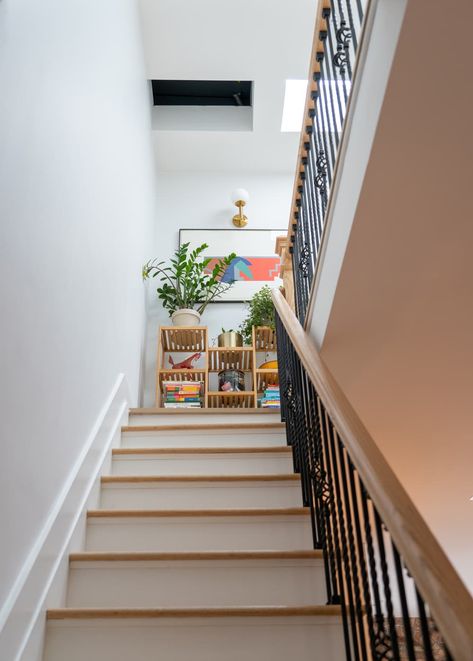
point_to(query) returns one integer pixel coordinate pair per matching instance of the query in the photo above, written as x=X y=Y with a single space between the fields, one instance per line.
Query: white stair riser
x=188 y=584
x=238 y=533
x=201 y=495
x=203 y=439
x=202 y=639
x=200 y=418
x=202 y=464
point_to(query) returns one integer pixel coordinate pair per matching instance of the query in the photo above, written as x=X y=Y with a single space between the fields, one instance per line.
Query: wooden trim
x=136 y=613
x=438 y=582
x=211 y=426
x=167 y=514
x=159 y=412
x=279 y=449
x=196 y=555
x=146 y=479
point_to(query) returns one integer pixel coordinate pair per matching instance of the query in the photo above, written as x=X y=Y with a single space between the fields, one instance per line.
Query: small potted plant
x=260 y=313
x=230 y=338
x=187 y=288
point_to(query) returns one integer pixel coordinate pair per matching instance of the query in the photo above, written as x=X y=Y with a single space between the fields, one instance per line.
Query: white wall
x=76 y=206
x=202 y=200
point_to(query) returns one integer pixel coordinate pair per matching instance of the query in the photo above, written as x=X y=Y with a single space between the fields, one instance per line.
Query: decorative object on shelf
x=254 y=265
x=269 y=365
x=230 y=338
x=240 y=197
x=190 y=283
x=182 y=394
x=186 y=364
x=260 y=313
x=231 y=381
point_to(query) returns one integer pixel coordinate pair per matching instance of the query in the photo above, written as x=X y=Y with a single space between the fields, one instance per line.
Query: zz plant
x=260 y=313
x=185 y=281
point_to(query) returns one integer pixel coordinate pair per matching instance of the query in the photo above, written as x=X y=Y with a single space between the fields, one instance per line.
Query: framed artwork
x=255 y=265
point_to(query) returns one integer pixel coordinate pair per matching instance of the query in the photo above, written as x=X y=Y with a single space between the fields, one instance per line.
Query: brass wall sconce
x=239 y=198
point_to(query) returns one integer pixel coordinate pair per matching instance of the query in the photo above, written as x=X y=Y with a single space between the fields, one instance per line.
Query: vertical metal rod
x=424 y=627
x=354 y=560
x=337 y=536
x=387 y=587
x=409 y=640
x=344 y=541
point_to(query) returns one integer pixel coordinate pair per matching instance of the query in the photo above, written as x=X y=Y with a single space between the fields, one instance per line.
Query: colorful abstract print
x=256 y=269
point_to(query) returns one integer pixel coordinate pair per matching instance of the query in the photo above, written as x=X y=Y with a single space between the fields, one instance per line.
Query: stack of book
x=270 y=398
x=182 y=394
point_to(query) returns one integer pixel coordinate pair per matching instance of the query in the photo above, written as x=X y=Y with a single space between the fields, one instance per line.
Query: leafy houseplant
x=185 y=284
x=260 y=313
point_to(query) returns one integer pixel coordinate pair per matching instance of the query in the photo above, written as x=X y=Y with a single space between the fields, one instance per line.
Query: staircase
x=201 y=550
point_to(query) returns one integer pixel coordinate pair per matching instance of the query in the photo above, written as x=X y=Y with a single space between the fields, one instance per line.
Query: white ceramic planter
x=185 y=317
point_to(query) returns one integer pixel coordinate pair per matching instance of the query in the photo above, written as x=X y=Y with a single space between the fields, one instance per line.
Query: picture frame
x=256 y=265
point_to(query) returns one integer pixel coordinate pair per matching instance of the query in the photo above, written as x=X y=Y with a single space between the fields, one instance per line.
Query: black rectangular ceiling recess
x=201 y=92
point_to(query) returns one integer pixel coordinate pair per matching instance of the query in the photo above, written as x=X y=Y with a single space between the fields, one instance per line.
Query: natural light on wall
x=334 y=92
x=294 y=101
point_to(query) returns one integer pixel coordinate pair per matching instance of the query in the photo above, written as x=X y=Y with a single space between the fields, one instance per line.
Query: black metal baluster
x=354 y=560
x=337 y=538
x=424 y=627
x=354 y=483
x=325 y=494
x=386 y=583
x=344 y=542
x=408 y=638
x=382 y=639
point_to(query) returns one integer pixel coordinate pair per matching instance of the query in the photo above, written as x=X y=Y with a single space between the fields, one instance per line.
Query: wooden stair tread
x=223 y=426
x=143 y=479
x=223 y=512
x=195 y=555
x=277 y=449
x=171 y=412
x=246 y=611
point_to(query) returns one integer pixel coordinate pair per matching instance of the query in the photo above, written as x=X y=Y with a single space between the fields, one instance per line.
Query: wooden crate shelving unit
x=264 y=341
x=185 y=340
x=194 y=339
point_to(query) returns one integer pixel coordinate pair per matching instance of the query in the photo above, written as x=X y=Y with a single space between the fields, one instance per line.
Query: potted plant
x=260 y=313
x=230 y=338
x=187 y=288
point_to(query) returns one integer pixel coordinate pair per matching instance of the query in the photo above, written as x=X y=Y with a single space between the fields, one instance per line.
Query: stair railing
x=335 y=44
x=400 y=597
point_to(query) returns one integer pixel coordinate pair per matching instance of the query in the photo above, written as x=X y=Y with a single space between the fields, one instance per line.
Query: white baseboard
x=41 y=583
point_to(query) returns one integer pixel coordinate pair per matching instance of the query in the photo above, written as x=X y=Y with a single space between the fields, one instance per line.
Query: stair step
x=308 y=633
x=209 y=437
x=201 y=416
x=195 y=579
x=199 y=530
x=202 y=461
x=204 y=491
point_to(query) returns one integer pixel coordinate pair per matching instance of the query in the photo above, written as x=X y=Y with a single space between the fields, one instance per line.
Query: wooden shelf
x=183 y=338
x=264 y=339
x=266 y=377
x=231 y=358
x=194 y=339
x=223 y=400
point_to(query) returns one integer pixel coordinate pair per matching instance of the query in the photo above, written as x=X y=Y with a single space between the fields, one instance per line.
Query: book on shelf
x=180 y=405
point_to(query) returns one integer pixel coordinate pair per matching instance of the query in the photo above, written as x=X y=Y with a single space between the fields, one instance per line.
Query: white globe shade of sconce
x=240 y=197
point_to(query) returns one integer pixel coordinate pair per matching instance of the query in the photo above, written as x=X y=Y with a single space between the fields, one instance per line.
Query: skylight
x=332 y=94
x=294 y=101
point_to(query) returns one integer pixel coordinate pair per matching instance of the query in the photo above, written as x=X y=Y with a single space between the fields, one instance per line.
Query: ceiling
x=258 y=40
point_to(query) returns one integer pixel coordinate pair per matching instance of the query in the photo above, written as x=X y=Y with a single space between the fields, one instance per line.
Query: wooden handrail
x=314 y=67
x=438 y=582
